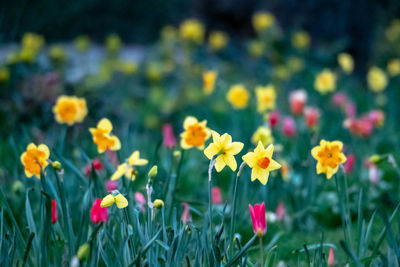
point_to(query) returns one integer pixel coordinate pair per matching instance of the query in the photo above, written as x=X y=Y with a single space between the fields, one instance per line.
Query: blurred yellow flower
x=261 y=163
x=70 y=109
x=266 y=96
x=35 y=159
x=127 y=67
x=209 y=78
x=264 y=135
x=329 y=156
x=393 y=31
x=295 y=64
x=325 y=81
x=218 y=40
x=393 y=67
x=115 y=197
x=256 y=48
x=128 y=168
x=238 y=96
x=263 y=20
x=102 y=138
x=224 y=149
x=281 y=72
x=192 y=30
x=169 y=33
x=113 y=43
x=82 y=43
x=346 y=62
x=27 y=55
x=301 y=40
x=57 y=53
x=4 y=75
x=32 y=41
x=377 y=79
x=195 y=134
x=154 y=72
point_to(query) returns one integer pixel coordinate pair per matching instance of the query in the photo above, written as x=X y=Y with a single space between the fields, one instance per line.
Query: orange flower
x=195 y=134
x=329 y=156
x=35 y=159
x=70 y=109
x=102 y=138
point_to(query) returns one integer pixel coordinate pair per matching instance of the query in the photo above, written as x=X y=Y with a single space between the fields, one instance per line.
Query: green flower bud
x=153 y=173
x=158 y=204
x=57 y=165
x=83 y=251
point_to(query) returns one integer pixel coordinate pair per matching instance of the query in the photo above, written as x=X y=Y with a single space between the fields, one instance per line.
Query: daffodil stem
x=261 y=251
x=47 y=218
x=342 y=211
x=130 y=243
x=233 y=217
x=210 y=168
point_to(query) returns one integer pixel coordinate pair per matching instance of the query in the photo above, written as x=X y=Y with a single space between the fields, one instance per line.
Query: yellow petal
x=121 y=201
x=22 y=157
x=219 y=163
x=250 y=159
x=28 y=174
x=331 y=172
x=185 y=145
x=234 y=148
x=190 y=120
x=314 y=152
x=44 y=149
x=259 y=148
x=264 y=177
x=225 y=140
x=337 y=143
x=230 y=161
x=215 y=136
x=105 y=124
x=273 y=165
x=121 y=170
x=117 y=143
x=107 y=201
x=211 y=150
x=342 y=158
x=269 y=151
x=31 y=146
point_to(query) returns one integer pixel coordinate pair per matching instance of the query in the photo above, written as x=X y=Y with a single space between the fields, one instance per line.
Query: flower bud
x=83 y=251
x=57 y=165
x=158 y=204
x=153 y=173
x=375 y=158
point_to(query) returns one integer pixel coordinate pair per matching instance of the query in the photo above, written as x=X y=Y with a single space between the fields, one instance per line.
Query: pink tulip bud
x=297 y=100
x=54 y=213
x=216 y=195
x=258 y=218
x=339 y=99
x=186 y=217
x=377 y=117
x=280 y=211
x=273 y=118
x=140 y=201
x=351 y=110
x=331 y=257
x=311 y=116
x=168 y=136
x=349 y=165
x=111 y=185
x=97 y=213
x=289 y=127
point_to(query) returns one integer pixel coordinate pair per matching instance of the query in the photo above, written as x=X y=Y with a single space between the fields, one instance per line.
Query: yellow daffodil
x=82 y=43
x=218 y=40
x=325 y=82
x=266 y=96
x=301 y=40
x=57 y=53
x=209 y=78
x=262 y=21
x=238 y=96
x=346 y=62
x=195 y=134
x=223 y=147
x=4 y=75
x=70 y=109
x=393 y=31
x=261 y=163
x=192 y=30
x=115 y=197
x=377 y=79
x=393 y=67
x=113 y=43
x=169 y=33
x=295 y=64
x=128 y=168
x=262 y=134
x=35 y=159
x=256 y=48
x=329 y=156
x=102 y=138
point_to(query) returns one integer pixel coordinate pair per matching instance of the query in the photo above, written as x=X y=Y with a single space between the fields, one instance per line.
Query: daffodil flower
x=195 y=134
x=127 y=168
x=115 y=197
x=102 y=138
x=223 y=147
x=261 y=163
x=34 y=159
x=329 y=156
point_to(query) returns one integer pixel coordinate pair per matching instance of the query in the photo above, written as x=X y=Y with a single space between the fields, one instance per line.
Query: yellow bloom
x=82 y=43
x=261 y=163
x=169 y=33
x=127 y=67
x=301 y=40
x=262 y=134
x=128 y=168
x=102 y=138
x=377 y=79
x=70 y=109
x=238 y=96
x=192 y=30
x=218 y=40
x=262 y=21
x=115 y=197
x=113 y=43
x=266 y=96
x=295 y=64
x=4 y=75
x=256 y=48
x=209 y=78
x=329 y=156
x=158 y=204
x=325 y=81
x=32 y=41
x=223 y=147
x=346 y=62
x=34 y=159
x=393 y=67
x=195 y=134
x=393 y=31
x=57 y=53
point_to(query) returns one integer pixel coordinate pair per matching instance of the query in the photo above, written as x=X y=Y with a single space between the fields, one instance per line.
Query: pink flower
x=112 y=155
x=280 y=211
x=349 y=165
x=311 y=116
x=362 y=127
x=331 y=257
x=289 y=128
x=339 y=99
x=373 y=174
x=377 y=117
x=140 y=201
x=111 y=185
x=216 y=195
x=168 y=136
x=54 y=213
x=351 y=110
x=297 y=100
x=97 y=213
x=273 y=118
x=186 y=217
x=258 y=218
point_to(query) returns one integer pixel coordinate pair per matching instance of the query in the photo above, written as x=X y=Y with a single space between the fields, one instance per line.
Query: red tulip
x=311 y=116
x=258 y=218
x=331 y=257
x=297 y=100
x=349 y=165
x=289 y=128
x=273 y=118
x=216 y=195
x=339 y=99
x=186 y=217
x=168 y=136
x=54 y=214
x=97 y=213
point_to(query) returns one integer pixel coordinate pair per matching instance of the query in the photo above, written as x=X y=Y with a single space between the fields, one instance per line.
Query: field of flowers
x=200 y=150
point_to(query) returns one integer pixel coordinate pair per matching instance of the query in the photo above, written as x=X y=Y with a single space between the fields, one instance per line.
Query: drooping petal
x=263 y=176
x=219 y=163
x=117 y=143
x=107 y=201
x=121 y=170
x=230 y=161
x=121 y=201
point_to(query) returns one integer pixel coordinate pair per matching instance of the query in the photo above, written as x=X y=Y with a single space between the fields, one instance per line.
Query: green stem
x=210 y=168
x=47 y=224
x=261 y=252
x=130 y=243
x=342 y=211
